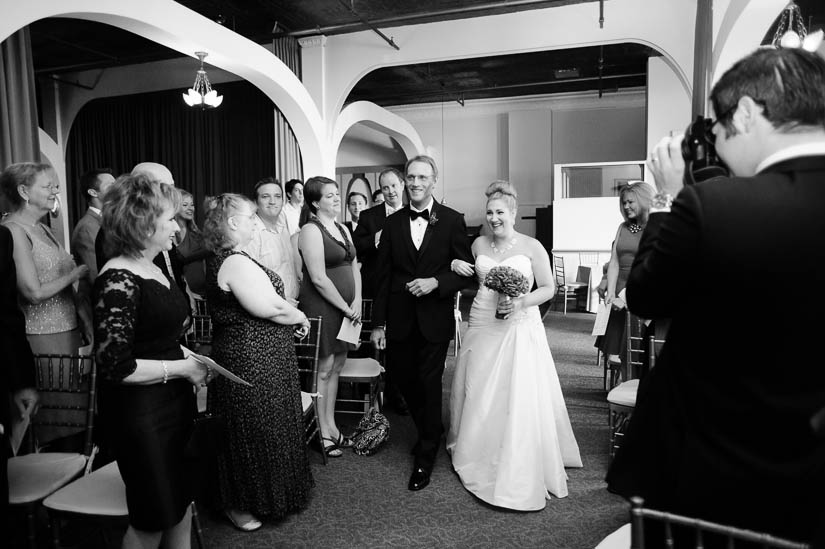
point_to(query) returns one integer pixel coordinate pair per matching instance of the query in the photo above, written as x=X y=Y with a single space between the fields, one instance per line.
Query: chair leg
x=565 y=301
x=196 y=524
x=31 y=523
x=54 y=523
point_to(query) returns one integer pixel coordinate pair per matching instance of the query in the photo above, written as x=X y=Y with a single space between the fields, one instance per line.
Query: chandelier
x=201 y=93
x=791 y=31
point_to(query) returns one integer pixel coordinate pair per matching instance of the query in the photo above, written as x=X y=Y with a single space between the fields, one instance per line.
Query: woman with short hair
x=147 y=401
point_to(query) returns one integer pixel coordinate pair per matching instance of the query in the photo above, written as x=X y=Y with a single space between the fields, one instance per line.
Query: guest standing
x=147 y=402
x=356 y=203
x=331 y=289
x=94 y=184
x=635 y=199
x=263 y=471
x=190 y=246
x=505 y=381
x=45 y=271
x=295 y=204
x=377 y=197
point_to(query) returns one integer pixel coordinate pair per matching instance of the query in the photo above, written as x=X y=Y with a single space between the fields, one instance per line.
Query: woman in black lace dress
x=147 y=402
x=331 y=289
x=263 y=470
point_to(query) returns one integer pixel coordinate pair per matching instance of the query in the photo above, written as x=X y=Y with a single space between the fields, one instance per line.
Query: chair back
x=67 y=385
x=583 y=275
x=201 y=333
x=695 y=532
x=306 y=350
x=558 y=271
x=366 y=350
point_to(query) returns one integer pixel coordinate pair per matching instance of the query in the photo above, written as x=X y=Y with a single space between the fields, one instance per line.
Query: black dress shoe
x=419 y=479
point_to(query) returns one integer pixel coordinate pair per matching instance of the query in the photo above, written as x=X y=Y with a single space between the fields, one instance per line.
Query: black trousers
x=417 y=366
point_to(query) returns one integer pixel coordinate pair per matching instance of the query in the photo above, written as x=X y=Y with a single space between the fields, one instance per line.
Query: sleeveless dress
x=264 y=467
x=338 y=256
x=613 y=340
x=57 y=314
x=510 y=436
x=148 y=426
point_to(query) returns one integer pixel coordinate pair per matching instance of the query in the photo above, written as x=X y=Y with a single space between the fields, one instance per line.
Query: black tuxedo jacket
x=17 y=370
x=721 y=428
x=369 y=223
x=398 y=262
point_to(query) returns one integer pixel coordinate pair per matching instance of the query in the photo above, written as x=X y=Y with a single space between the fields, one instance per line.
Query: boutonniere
x=433 y=219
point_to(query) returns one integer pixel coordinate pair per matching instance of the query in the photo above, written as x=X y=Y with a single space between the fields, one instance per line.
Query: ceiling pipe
x=372 y=27
x=355 y=27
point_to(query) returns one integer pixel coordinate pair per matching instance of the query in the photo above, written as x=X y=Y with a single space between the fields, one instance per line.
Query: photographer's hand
x=667 y=165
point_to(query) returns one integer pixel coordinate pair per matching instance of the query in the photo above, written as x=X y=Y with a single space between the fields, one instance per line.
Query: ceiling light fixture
x=791 y=31
x=201 y=93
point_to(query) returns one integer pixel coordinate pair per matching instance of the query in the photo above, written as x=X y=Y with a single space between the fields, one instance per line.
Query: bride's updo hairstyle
x=502 y=190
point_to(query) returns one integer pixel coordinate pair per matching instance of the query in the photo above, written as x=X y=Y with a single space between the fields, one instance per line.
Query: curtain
x=208 y=151
x=19 y=141
x=287 y=152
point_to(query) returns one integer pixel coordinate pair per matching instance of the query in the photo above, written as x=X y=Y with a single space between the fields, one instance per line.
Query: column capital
x=316 y=41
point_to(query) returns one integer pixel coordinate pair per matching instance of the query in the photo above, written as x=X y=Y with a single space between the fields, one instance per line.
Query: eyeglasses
x=728 y=113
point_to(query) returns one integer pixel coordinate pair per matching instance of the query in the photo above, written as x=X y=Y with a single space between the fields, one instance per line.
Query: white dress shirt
x=418 y=226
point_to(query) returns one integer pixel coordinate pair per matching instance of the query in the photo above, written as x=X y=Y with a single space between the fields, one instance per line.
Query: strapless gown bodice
x=510 y=436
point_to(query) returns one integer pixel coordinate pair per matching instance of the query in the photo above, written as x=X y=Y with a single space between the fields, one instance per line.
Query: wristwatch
x=662 y=201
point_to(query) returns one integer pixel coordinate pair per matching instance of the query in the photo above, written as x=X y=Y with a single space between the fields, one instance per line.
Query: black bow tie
x=423 y=214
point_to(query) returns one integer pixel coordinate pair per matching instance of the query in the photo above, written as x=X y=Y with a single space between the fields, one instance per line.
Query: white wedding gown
x=510 y=436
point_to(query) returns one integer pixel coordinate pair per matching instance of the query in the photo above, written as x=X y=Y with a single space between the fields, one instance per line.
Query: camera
x=699 y=152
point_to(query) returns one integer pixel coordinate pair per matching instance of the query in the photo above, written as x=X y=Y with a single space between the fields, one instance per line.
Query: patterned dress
x=264 y=467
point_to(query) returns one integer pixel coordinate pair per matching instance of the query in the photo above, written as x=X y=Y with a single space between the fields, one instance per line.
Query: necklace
x=502 y=250
x=634 y=228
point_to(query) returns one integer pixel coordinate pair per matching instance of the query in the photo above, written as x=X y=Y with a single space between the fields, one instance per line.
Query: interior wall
x=520 y=140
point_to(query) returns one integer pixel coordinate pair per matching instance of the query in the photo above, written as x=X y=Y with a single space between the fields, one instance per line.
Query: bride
x=510 y=437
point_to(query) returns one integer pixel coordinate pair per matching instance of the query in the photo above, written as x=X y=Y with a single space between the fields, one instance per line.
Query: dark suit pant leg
x=418 y=366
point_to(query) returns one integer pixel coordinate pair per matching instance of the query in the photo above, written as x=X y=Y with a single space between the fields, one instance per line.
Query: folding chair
x=200 y=337
x=361 y=370
x=699 y=531
x=570 y=290
x=306 y=350
x=67 y=386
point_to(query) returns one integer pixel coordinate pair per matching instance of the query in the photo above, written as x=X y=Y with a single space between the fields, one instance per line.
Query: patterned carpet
x=361 y=501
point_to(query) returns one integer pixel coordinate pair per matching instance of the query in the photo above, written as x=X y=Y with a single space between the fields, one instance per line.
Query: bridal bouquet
x=508 y=282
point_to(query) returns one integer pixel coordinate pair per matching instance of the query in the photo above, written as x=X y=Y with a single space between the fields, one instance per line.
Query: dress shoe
x=419 y=479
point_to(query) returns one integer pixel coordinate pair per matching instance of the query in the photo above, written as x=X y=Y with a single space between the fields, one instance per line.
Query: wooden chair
x=699 y=531
x=362 y=368
x=67 y=386
x=306 y=350
x=199 y=338
x=570 y=290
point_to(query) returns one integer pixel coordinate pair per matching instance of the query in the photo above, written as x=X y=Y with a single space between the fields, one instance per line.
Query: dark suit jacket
x=721 y=428
x=399 y=262
x=369 y=223
x=83 y=242
x=17 y=370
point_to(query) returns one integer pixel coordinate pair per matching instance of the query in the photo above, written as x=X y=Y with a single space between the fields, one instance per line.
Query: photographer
x=722 y=425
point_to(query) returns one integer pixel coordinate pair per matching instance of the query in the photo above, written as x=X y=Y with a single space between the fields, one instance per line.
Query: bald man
x=170 y=262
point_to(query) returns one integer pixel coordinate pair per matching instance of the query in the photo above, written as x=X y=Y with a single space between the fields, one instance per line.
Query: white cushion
x=306 y=401
x=361 y=368
x=100 y=493
x=619 y=539
x=32 y=477
x=624 y=394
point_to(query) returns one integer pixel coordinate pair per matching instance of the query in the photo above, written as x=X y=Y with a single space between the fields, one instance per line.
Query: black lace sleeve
x=116 y=302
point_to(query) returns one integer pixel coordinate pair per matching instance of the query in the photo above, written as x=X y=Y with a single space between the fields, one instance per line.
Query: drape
x=287 y=152
x=19 y=141
x=208 y=151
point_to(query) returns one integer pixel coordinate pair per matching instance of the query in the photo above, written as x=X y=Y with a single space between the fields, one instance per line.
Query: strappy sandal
x=247 y=526
x=344 y=442
x=332 y=450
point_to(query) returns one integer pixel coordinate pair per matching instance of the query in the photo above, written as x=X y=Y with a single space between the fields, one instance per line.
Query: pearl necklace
x=503 y=250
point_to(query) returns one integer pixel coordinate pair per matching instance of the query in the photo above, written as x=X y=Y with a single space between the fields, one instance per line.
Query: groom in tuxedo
x=414 y=300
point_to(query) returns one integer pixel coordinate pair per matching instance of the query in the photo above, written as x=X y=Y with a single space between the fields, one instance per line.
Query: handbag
x=371 y=433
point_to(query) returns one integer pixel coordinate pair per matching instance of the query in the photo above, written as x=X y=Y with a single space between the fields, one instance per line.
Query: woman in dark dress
x=263 y=470
x=331 y=289
x=147 y=401
x=635 y=200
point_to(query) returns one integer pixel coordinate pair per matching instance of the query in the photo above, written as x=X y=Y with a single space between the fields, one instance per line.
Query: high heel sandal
x=247 y=526
x=344 y=442
x=332 y=450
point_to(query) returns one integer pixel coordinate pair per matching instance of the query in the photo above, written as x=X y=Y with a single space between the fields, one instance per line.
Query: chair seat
x=624 y=394
x=100 y=493
x=360 y=369
x=306 y=401
x=575 y=285
x=32 y=477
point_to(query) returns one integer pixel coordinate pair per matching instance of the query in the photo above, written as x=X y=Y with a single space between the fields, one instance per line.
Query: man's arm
x=83 y=248
x=667 y=253
x=448 y=281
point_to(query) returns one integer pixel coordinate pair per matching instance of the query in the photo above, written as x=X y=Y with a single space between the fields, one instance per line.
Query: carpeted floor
x=364 y=502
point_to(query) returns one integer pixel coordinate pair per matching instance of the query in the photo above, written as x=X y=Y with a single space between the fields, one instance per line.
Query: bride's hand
x=461 y=268
x=512 y=307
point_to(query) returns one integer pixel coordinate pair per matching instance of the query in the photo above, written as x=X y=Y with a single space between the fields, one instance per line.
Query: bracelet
x=165 y=371
x=662 y=201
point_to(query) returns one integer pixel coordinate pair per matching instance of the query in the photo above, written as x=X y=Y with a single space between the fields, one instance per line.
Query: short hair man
x=377 y=197
x=295 y=202
x=270 y=244
x=414 y=299
x=356 y=203
x=94 y=184
x=722 y=430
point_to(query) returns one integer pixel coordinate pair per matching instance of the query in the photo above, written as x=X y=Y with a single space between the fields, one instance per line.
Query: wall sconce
x=201 y=93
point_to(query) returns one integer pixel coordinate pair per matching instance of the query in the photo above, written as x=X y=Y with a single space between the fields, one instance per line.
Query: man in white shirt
x=295 y=202
x=270 y=244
